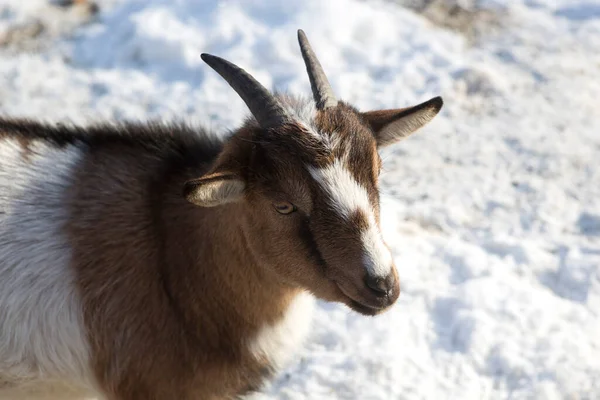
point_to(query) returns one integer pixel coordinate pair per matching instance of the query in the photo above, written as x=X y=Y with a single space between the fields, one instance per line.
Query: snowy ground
x=493 y=210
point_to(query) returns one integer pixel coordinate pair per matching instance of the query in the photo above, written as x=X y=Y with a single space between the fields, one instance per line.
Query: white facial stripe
x=347 y=196
x=378 y=258
x=345 y=193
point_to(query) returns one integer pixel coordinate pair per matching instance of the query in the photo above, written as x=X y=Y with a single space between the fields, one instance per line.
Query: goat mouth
x=358 y=306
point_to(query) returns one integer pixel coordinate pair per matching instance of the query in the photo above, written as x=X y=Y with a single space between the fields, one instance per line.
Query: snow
x=492 y=210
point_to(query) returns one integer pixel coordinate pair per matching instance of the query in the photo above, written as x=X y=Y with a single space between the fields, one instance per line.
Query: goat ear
x=391 y=126
x=214 y=189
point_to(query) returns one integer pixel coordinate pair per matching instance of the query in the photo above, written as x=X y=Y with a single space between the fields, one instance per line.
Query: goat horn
x=262 y=104
x=322 y=91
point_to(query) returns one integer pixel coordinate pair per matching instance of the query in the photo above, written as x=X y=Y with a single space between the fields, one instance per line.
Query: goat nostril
x=378 y=285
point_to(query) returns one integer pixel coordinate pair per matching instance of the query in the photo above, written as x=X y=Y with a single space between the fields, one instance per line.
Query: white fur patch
x=303 y=111
x=280 y=341
x=345 y=193
x=347 y=196
x=378 y=258
x=42 y=339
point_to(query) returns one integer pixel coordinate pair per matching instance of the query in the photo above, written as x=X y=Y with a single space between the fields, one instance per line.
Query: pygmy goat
x=154 y=261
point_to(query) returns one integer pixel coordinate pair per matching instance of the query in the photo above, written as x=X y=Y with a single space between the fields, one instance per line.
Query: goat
x=157 y=261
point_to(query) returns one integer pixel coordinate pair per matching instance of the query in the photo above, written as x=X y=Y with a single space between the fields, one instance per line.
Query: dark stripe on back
x=182 y=145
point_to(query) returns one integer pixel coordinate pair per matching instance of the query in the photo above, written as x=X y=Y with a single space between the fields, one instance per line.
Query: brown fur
x=146 y=243
x=164 y=259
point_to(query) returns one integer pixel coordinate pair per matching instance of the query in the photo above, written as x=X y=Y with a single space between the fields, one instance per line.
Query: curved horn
x=262 y=104
x=322 y=91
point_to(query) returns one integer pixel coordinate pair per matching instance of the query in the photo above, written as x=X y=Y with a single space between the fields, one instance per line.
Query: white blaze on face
x=347 y=196
x=378 y=258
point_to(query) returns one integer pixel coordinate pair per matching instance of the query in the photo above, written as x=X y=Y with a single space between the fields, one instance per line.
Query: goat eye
x=284 y=207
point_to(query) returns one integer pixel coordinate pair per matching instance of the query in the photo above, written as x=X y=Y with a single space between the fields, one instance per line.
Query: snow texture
x=492 y=210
